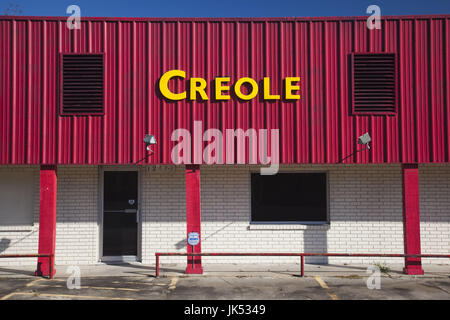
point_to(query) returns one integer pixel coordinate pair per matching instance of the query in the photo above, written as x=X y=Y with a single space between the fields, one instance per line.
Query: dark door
x=120 y=223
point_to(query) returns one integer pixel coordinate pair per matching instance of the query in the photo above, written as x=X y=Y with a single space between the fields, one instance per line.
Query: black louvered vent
x=82 y=84
x=374 y=89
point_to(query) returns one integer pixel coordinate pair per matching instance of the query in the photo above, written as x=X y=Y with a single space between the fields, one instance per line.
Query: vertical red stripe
x=411 y=218
x=47 y=218
x=193 y=216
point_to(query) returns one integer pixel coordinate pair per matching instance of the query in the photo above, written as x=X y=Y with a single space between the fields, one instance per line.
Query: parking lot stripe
x=29 y=284
x=8 y=295
x=142 y=283
x=173 y=283
x=32 y=283
x=89 y=287
x=62 y=295
x=109 y=288
x=327 y=289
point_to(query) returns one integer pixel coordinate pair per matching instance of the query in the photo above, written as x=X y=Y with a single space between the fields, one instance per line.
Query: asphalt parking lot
x=227 y=286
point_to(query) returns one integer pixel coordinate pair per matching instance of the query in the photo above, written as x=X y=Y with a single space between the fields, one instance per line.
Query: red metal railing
x=50 y=260
x=301 y=255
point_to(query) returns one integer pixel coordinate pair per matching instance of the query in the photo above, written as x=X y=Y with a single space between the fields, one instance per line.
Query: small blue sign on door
x=193 y=238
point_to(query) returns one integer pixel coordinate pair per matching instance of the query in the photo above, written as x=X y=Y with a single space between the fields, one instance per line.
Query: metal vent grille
x=374 y=83
x=82 y=84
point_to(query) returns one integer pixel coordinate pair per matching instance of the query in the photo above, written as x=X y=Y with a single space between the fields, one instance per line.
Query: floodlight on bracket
x=148 y=140
x=364 y=139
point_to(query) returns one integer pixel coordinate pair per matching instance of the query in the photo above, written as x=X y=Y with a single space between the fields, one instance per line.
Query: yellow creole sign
x=222 y=87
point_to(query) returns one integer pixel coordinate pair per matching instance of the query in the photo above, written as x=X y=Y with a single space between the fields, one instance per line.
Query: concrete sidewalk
x=237 y=270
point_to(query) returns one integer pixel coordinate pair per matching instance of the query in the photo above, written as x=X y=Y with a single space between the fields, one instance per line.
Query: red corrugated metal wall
x=318 y=128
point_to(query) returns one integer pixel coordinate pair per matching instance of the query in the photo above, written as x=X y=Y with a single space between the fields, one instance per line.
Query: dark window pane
x=289 y=197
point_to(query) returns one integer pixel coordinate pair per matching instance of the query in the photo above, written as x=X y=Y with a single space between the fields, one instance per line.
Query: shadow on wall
x=4 y=244
x=315 y=241
x=183 y=243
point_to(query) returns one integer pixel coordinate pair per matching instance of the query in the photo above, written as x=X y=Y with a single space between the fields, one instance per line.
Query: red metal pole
x=193 y=216
x=47 y=220
x=284 y=254
x=302 y=268
x=157 y=266
x=411 y=218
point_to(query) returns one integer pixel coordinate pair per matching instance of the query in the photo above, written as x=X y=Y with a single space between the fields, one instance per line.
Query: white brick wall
x=434 y=190
x=21 y=239
x=359 y=197
x=365 y=207
x=163 y=203
x=77 y=230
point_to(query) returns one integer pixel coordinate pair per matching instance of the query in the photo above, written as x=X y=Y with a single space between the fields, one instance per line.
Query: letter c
x=164 y=85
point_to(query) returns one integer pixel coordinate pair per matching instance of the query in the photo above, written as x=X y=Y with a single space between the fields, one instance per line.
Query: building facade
x=225 y=99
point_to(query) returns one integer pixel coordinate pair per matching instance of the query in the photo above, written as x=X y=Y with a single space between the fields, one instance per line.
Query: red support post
x=411 y=218
x=193 y=216
x=157 y=266
x=47 y=221
x=302 y=267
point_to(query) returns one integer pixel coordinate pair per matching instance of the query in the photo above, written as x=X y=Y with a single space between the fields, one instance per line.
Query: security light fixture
x=365 y=139
x=149 y=140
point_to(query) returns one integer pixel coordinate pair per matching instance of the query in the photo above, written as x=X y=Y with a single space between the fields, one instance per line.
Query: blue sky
x=227 y=8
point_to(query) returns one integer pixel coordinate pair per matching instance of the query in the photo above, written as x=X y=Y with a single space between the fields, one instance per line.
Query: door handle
x=135 y=211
